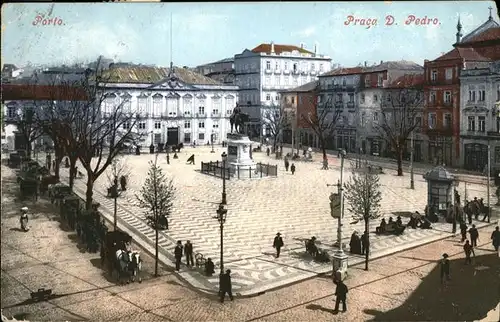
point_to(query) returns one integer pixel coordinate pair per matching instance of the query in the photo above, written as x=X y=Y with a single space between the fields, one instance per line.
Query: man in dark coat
x=463 y=231
x=292 y=168
x=445 y=268
x=495 y=238
x=341 y=295
x=188 y=251
x=225 y=286
x=287 y=163
x=278 y=243
x=365 y=243
x=178 y=255
x=474 y=236
x=468 y=251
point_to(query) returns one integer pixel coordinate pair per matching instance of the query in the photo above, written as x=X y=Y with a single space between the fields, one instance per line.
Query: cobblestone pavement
x=296 y=205
x=48 y=256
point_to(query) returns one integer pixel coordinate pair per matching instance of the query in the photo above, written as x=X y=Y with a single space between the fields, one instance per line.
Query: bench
x=41 y=295
x=391 y=228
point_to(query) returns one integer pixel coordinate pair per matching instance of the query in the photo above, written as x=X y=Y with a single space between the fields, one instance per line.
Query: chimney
x=366 y=63
x=381 y=62
x=272 y=47
x=302 y=45
x=315 y=48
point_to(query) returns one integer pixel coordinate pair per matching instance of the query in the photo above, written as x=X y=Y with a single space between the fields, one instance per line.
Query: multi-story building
x=374 y=84
x=175 y=104
x=221 y=70
x=357 y=94
x=480 y=121
x=178 y=104
x=442 y=89
x=298 y=104
x=261 y=73
x=337 y=91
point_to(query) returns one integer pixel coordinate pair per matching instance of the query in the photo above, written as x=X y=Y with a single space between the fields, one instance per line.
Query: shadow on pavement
x=469 y=296
x=316 y=307
x=75 y=239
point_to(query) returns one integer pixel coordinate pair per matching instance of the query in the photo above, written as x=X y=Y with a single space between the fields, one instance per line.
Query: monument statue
x=238 y=119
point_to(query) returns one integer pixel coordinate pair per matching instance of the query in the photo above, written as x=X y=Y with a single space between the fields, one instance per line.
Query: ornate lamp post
x=224 y=159
x=212 y=139
x=339 y=258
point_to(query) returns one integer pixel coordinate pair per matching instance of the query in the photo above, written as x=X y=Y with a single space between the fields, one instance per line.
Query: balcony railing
x=201 y=115
x=313 y=72
x=441 y=81
x=296 y=72
x=304 y=72
x=216 y=115
x=448 y=103
x=188 y=115
x=286 y=72
x=277 y=71
x=350 y=104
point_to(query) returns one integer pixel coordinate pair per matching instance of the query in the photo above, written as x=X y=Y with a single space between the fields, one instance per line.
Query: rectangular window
x=293 y=100
x=447 y=121
x=375 y=116
x=418 y=123
x=432 y=120
x=481 y=124
x=277 y=80
x=286 y=65
x=339 y=98
x=157 y=125
x=201 y=136
x=268 y=65
x=277 y=65
x=201 y=125
x=187 y=125
x=388 y=97
x=472 y=95
x=434 y=75
x=363 y=119
x=362 y=98
x=320 y=68
x=351 y=98
x=380 y=80
x=375 y=98
x=449 y=73
x=215 y=125
x=268 y=80
x=482 y=95
x=367 y=81
x=344 y=81
x=142 y=125
x=268 y=97
x=201 y=110
x=471 y=123
x=287 y=81
x=313 y=66
x=432 y=97
x=447 y=97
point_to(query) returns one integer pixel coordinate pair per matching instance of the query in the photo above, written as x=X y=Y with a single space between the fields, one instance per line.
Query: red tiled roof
x=463 y=53
x=408 y=81
x=278 y=49
x=344 y=71
x=11 y=92
x=490 y=34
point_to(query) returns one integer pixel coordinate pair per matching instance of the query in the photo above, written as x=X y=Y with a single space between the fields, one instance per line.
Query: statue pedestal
x=239 y=155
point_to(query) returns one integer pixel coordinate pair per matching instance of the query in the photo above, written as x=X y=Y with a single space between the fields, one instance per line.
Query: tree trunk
x=156 y=248
x=28 y=148
x=90 y=191
x=367 y=251
x=114 y=212
x=399 y=156
x=72 y=171
x=58 y=158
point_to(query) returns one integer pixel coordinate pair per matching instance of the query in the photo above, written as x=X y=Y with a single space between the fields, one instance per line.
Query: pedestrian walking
x=278 y=243
x=445 y=268
x=287 y=164
x=168 y=158
x=225 y=286
x=365 y=243
x=463 y=231
x=292 y=168
x=468 y=251
x=495 y=238
x=188 y=252
x=474 y=236
x=341 y=295
x=268 y=151
x=178 y=255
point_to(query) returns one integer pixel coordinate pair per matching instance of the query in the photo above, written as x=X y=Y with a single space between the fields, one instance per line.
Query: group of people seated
x=386 y=226
x=315 y=252
x=419 y=221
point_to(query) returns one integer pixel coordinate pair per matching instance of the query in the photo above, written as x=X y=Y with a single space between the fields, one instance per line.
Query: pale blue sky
x=205 y=32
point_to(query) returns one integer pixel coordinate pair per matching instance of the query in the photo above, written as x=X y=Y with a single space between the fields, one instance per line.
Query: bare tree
x=156 y=197
x=102 y=125
x=363 y=195
x=401 y=110
x=323 y=121
x=276 y=120
x=117 y=172
x=25 y=121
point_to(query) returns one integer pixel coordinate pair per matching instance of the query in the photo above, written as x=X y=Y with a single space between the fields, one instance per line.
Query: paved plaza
x=295 y=205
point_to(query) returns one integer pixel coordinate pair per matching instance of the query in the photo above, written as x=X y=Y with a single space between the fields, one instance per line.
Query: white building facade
x=175 y=110
x=261 y=73
x=480 y=119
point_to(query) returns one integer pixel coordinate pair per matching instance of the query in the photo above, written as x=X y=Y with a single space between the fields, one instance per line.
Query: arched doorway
x=476 y=156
